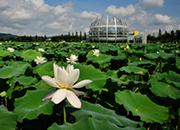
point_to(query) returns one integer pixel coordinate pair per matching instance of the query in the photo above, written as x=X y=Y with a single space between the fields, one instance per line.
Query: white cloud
x=89 y=15
x=169 y=28
x=21 y=15
x=149 y=4
x=38 y=2
x=44 y=9
x=122 y=11
x=59 y=9
x=4 y=4
x=162 y=19
x=33 y=17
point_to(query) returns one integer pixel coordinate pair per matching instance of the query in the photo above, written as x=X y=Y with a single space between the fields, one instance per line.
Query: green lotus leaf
x=152 y=47
x=162 y=55
x=42 y=85
x=120 y=56
x=134 y=69
x=113 y=75
x=30 y=55
x=1 y=63
x=133 y=51
x=10 y=71
x=157 y=75
x=178 y=63
x=173 y=77
x=90 y=124
x=179 y=112
x=100 y=113
x=141 y=105
x=89 y=72
x=4 y=52
x=8 y=119
x=102 y=58
x=46 y=69
x=164 y=89
x=142 y=63
x=31 y=105
x=23 y=80
x=20 y=64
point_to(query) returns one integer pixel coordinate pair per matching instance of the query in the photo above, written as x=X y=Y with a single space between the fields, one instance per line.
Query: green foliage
x=30 y=55
x=31 y=105
x=134 y=89
x=100 y=113
x=8 y=119
x=91 y=124
x=141 y=105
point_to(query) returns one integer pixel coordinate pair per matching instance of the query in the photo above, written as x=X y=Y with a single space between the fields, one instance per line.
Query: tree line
x=162 y=38
x=172 y=37
x=68 y=38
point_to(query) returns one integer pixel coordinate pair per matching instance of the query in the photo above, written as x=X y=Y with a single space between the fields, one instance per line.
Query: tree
x=159 y=37
x=44 y=38
x=80 y=36
x=172 y=36
x=84 y=38
x=177 y=35
x=36 y=38
x=165 y=37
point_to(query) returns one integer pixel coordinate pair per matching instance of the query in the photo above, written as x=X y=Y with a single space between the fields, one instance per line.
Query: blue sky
x=56 y=17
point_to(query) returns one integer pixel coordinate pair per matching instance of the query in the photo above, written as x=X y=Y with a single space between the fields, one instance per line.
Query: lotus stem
x=64 y=110
x=5 y=100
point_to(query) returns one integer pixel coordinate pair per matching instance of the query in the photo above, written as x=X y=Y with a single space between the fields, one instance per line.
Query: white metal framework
x=113 y=30
x=106 y=30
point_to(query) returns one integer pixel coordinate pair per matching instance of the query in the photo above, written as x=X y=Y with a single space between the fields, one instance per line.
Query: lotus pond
x=134 y=86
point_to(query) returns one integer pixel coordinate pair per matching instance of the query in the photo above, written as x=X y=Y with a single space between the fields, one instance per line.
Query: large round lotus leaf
x=31 y=105
x=89 y=72
x=10 y=71
x=164 y=89
x=134 y=69
x=4 y=53
x=23 y=80
x=141 y=105
x=173 y=77
x=30 y=55
x=90 y=124
x=20 y=64
x=102 y=58
x=98 y=112
x=46 y=69
x=161 y=55
x=7 y=120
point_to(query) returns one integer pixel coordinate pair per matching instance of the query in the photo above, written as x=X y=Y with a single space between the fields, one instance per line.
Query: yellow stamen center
x=62 y=87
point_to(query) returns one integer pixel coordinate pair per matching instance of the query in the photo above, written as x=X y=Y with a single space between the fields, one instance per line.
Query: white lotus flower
x=10 y=49
x=73 y=59
x=0 y=43
x=64 y=80
x=39 y=60
x=41 y=50
x=127 y=47
x=96 y=53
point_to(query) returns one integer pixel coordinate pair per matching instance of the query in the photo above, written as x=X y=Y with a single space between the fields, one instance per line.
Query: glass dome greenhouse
x=108 y=30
